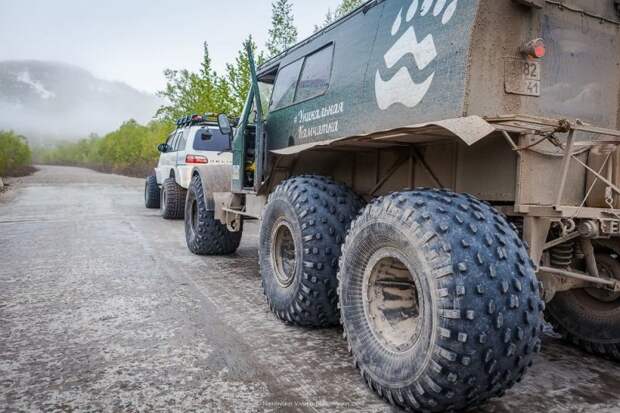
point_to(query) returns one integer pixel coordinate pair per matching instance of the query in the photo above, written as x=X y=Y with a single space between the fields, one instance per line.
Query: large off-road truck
x=430 y=173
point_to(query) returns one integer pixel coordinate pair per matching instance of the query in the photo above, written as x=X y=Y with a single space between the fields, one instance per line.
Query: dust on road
x=102 y=307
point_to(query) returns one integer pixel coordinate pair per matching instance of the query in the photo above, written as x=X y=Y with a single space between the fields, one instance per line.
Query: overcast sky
x=135 y=40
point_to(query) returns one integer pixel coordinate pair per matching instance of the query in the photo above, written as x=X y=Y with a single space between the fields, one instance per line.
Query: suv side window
x=316 y=73
x=175 y=141
x=180 y=146
x=286 y=82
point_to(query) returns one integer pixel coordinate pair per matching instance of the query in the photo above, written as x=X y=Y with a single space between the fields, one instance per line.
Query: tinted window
x=315 y=74
x=284 y=89
x=211 y=139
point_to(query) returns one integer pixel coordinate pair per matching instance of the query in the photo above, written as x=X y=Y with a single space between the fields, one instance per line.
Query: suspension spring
x=562 y=256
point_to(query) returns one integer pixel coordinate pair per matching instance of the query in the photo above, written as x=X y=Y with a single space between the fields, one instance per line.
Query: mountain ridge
x=49 y=101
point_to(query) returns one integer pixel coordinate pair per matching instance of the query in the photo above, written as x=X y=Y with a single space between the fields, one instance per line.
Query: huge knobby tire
x=302 y=229
x=151 y=192
x=172 y=200
x=439 y=301
x=590 y=317
x=203 y=233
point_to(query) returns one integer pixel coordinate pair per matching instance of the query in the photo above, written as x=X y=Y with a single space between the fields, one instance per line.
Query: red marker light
x=534 y=49
x=196 y=159
x=539 y=51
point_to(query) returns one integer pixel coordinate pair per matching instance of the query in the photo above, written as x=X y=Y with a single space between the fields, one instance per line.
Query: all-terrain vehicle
x=429 y=173
x=197 y=140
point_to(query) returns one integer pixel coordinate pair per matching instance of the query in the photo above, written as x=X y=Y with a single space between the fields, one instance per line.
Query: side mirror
x=162 y=147
x=224 y=124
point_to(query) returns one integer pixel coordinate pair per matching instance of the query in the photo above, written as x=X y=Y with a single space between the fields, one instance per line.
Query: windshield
x=211 y=139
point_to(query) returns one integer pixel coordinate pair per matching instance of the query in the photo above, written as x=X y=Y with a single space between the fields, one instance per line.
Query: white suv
x=195 y=141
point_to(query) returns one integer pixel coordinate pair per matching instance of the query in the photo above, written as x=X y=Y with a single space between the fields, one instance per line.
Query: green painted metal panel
x=399 y=63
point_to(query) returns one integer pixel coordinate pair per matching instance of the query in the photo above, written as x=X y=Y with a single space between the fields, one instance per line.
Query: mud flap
x=215 y=179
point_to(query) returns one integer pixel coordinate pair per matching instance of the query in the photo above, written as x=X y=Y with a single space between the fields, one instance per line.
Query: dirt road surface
x=102 y=307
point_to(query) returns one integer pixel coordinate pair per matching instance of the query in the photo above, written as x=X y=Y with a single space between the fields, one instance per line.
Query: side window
x=284 y=89
x=170 y=139
x=175 y=141
x=180 y=146
x=315 y=75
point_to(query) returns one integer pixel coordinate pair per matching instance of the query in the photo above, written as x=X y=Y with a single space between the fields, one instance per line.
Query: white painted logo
x=401 y=88
x=325 y=113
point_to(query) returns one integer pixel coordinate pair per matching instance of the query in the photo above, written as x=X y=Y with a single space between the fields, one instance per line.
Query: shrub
x=14 y=152
x=131 y=149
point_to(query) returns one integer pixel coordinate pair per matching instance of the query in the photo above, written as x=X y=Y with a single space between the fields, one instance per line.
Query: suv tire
x=439 y=301
x=151 y=192
x=172 y=200
x=203 y=233
x=302 y=229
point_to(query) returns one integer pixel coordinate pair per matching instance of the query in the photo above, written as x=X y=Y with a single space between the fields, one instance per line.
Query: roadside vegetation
x=131 y=149
x=15 y=155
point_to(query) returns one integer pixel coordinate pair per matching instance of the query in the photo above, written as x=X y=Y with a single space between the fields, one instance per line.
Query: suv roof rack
x=195 y=119
x=209 y=118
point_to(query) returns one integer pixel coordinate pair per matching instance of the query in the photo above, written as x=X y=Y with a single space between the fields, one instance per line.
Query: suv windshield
x=211 y=139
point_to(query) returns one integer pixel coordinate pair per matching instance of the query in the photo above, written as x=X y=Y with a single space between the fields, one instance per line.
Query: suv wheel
x=151 y=192
x=203 y=233
x=172 y=200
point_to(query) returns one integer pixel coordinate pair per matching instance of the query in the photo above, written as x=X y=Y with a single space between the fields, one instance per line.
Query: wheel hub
x=391 y=301
x=283 y=253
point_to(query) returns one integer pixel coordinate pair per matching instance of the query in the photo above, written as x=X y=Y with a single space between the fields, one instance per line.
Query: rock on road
x=103 y=308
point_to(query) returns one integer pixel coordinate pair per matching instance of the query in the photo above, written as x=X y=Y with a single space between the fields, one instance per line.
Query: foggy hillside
x=48 y=101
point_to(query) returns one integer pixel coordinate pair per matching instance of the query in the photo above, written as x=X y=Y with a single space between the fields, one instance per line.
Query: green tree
x=329 y=19
x=283 y=33
x=238 y=75
x=188 y=92
x=345 y=7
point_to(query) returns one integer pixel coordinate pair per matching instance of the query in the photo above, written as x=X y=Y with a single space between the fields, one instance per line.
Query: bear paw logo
x=401 y=88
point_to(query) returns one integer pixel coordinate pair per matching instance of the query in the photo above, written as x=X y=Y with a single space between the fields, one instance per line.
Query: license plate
x=522 y=77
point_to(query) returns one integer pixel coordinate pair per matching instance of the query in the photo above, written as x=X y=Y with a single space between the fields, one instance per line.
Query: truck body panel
x=393 y=67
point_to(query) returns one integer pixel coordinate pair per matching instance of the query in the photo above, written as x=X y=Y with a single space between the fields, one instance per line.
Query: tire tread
x=212 y=237
x=325 y=209
x=470 y=364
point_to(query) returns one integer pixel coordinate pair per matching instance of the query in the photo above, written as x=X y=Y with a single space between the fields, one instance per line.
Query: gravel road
x=103 y=308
